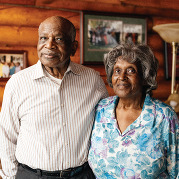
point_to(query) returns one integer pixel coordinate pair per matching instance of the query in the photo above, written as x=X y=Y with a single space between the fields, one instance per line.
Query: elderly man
x=48 y=110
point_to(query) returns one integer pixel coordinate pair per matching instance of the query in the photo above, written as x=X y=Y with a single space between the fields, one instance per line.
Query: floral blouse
x=148 y=148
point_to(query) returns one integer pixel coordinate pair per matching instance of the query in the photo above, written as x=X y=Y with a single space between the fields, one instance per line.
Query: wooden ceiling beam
x=123 y=8
x=139 y=7
x=20 y=2
x=101 y=1
x=160 y=4
x=32 y=17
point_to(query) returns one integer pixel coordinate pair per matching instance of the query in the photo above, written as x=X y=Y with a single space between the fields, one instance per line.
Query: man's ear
x=74 y=47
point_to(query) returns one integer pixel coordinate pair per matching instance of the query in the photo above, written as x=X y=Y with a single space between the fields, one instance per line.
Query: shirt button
x=64 y=124
x=62 y=105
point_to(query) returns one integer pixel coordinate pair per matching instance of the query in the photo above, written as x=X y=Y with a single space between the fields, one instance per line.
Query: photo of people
x=10 y=64
x=103 y=34
x=132 y=33
x=106 y=34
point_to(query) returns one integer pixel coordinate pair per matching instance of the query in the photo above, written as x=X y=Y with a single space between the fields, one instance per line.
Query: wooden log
x=123 y=7
x=25 y=2
x=13 y=35
x=102 y=1
x=170 y=4
x=155 y=41
x=160 y=55
x=28 y=16
x=163 y=90
x=21 y=36
x=149 y=24
x=160 y=20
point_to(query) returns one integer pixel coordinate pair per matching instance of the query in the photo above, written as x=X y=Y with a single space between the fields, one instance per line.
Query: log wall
x=19 y=31
x=19 y=28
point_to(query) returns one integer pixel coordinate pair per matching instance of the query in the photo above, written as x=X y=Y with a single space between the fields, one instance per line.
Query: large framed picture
x=11 y=62
x=168 y=61
x=102 y=32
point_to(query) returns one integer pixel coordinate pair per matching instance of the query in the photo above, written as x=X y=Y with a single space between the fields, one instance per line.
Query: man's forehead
x=55 y=23
x=50 y=25
x=47 y=28
x=58 y=28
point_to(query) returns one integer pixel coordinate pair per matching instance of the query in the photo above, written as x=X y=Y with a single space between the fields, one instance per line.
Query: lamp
x=170 y=34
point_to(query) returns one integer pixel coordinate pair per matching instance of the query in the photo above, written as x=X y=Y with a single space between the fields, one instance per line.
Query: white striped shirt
x=46 y=125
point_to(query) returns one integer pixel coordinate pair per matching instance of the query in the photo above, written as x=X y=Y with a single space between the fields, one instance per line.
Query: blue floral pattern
x=148 y=148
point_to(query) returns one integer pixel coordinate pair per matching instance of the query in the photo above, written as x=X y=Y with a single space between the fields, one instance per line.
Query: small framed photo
x=168 y=62
x=11 y=62
x=102 y=32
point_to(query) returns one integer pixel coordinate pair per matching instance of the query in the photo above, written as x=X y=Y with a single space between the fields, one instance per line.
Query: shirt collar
x=147 y=115
x=39 y=73
x=73 y=67
x=148 y=111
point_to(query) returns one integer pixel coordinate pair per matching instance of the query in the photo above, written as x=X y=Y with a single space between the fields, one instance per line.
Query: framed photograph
x=168 y=62
x=102 y=32
x=11 y=62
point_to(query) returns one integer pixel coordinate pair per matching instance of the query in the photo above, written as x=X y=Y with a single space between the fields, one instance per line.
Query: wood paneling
x=123 y=6
x=19 y=21
x=160 y=4
x=155 y=41
x=32 y=17
x=19 y=26
x=26 y=36
x=22 y=2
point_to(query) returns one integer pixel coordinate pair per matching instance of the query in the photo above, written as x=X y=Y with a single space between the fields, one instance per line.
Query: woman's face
x=126 y=80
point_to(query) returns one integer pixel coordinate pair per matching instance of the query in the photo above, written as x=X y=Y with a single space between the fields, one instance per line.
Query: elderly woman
x=134 y=135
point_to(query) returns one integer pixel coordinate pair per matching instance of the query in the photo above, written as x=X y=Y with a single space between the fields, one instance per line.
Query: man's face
x=54 y=44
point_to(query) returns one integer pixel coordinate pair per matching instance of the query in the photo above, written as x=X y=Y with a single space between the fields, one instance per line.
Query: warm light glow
x=168 y=32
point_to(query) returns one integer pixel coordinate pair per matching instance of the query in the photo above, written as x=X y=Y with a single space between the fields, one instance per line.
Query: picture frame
x=102 y=32
x=168 y=61
x=11 y=61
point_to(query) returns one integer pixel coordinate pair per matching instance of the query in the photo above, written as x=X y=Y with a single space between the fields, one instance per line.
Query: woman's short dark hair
x=143 y=58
